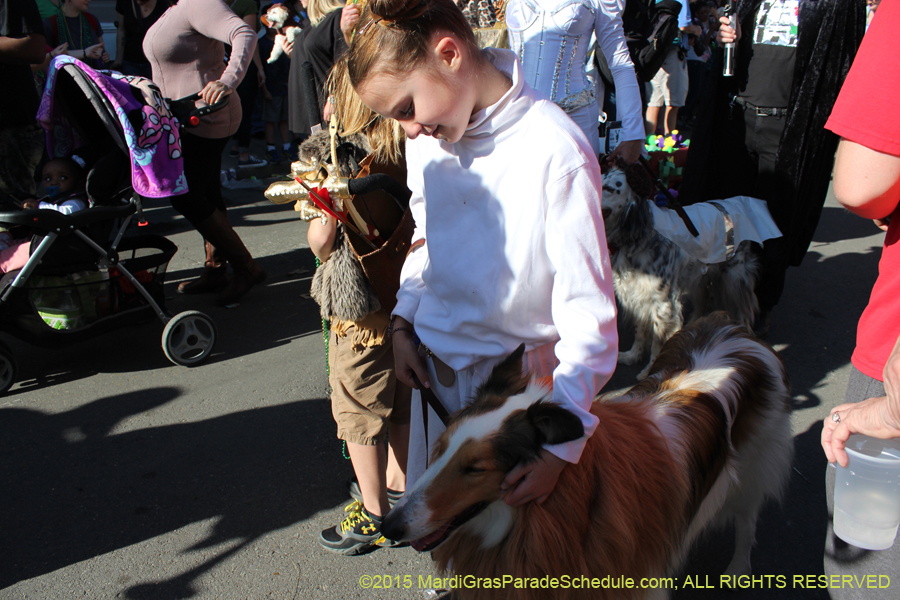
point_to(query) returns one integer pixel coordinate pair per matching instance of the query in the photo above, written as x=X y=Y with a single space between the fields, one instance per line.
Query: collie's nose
x=392 y=527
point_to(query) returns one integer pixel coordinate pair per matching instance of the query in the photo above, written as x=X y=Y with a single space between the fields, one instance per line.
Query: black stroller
x=84 y=277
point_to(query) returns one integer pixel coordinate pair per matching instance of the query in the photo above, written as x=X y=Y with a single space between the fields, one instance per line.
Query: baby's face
x=60 y=177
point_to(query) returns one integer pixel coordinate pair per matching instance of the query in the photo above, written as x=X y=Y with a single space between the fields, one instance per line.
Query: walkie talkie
x=731 y=13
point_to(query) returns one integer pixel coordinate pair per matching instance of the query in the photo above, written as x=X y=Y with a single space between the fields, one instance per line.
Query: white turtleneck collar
x=515 y=102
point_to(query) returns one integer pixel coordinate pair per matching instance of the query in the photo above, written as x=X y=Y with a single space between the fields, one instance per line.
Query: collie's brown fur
x=705 y=438
x=568 y=535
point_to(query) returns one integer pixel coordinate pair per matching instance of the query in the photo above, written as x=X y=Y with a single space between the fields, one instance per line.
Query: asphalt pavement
x=125 y=476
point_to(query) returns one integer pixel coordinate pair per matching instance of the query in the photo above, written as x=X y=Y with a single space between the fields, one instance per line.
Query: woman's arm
x=214 y=20
x=611 y=41
x=253 y=22
x=866 y=181
x=28 y=50
x=120 y=41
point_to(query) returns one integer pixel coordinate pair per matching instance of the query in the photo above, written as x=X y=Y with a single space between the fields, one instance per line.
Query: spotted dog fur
x=653 y=277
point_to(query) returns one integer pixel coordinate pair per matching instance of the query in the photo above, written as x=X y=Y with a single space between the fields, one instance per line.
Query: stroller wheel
x=9 y=371
x=188 y=338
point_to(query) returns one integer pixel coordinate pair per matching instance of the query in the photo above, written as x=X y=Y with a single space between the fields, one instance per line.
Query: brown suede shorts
x=365 y=393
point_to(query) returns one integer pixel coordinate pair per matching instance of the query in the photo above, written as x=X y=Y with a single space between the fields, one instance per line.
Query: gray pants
x=843 y=559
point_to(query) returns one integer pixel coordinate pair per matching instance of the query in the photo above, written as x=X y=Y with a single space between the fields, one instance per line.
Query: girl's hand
x=726 y=34
x=534 y=480
x=31 y=203
x=630 y=151
x=406 y=355
x=59 y=49
x=215 y=91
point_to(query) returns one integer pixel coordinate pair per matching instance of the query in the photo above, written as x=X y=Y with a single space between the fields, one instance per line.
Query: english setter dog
x=653 y=276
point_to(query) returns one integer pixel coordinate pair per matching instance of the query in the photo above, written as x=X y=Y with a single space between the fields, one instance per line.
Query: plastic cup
x=867 y=493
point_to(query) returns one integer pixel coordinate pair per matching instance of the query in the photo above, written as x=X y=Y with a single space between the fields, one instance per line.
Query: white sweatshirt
x=515 y=249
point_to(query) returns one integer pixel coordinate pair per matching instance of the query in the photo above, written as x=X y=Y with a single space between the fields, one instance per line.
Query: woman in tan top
x=186 y=49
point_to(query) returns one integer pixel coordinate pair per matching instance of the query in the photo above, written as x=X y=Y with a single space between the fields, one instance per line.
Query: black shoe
x=355 y=493
x=360 y=532
x=252 y=163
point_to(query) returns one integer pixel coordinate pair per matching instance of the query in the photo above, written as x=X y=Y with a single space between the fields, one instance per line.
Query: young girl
x=509 y=244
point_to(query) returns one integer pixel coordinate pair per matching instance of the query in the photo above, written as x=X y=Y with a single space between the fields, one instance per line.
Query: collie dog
x=705 y=439
x=652 y=275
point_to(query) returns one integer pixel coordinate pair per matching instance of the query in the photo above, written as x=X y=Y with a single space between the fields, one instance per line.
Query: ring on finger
x=836 y=417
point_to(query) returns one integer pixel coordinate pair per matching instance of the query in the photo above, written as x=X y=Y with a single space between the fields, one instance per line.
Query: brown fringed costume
x=794 y=179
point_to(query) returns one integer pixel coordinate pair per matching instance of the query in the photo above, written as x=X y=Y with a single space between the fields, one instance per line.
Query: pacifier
x=51 y=190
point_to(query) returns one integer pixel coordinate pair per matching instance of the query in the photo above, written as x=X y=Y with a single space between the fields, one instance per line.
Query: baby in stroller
x=64 y=181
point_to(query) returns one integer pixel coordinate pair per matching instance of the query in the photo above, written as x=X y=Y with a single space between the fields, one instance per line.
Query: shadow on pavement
x=83 y=490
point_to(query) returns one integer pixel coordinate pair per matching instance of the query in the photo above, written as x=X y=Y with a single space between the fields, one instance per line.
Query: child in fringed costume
x=355 y=286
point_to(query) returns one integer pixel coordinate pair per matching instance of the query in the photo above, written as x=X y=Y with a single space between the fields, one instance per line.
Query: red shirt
x=866 y=112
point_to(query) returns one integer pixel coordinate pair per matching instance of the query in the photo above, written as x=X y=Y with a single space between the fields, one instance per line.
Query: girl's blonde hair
x=317 y=9
x=395 y=35
x=385 y=135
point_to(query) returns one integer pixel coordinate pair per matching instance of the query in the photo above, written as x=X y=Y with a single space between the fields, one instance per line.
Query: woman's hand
x=328 y=110
x=215 y=91
x=406 y=355
x=287 y=46
x=349 y=19
x=875 y=417
x=630 y=151
x=726 y=33
x=95 y=51
x=59 y=50
x=534 y=480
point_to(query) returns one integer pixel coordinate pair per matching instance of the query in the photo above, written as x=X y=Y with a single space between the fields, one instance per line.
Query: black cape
x=830 y=32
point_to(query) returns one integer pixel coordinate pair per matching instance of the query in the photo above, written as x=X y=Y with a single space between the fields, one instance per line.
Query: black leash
x=671 y=202
x=429 y=397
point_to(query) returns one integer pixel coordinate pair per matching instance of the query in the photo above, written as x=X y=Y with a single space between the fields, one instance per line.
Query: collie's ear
x=554 y=424
x=507 y=378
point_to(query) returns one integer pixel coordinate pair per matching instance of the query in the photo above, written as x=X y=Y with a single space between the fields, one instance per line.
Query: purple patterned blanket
x=157 y=168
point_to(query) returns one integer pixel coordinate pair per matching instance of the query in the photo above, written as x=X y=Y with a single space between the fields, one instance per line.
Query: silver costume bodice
x=552 y=39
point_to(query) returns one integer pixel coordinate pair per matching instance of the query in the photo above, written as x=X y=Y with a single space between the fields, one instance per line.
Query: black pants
x=248 y=91
x=746 y=167
x=202 y=169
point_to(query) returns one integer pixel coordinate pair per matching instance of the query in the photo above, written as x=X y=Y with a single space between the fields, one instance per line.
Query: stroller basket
x=87 y=301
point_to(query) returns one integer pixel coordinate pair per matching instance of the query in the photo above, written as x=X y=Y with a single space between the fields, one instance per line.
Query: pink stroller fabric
x=157 y=167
